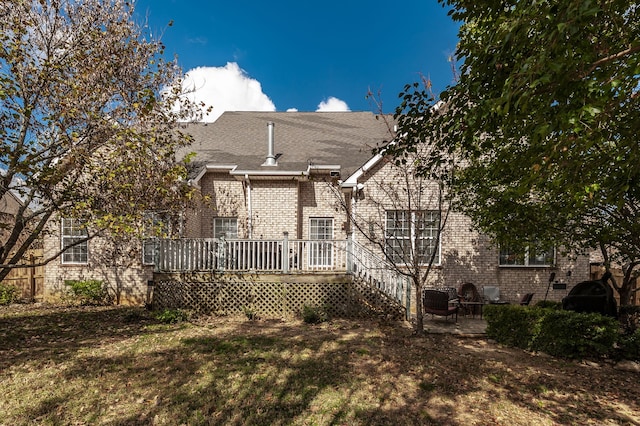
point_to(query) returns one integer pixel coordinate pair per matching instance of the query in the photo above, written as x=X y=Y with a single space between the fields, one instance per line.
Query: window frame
x=149 y=245
x=413 y=231
x=320 y=252
x=224 y=219
x=526 y=258
x=79 y=253
x=149 y=239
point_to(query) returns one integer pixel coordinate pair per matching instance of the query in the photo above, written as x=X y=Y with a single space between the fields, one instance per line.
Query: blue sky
x=284 y=54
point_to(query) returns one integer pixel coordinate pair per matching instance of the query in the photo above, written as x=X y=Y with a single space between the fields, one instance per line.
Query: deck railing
x=380 y=273
x=186 y=255
x=239 y=255
x=282 y=256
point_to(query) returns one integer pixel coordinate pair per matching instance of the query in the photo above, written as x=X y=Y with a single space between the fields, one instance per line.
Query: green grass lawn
x=120 y=366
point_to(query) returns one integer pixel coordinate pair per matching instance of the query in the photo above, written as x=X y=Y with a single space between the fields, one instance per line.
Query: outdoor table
x=472 y=305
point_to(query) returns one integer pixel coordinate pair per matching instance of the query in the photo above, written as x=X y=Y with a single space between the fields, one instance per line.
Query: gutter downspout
x=249 y=207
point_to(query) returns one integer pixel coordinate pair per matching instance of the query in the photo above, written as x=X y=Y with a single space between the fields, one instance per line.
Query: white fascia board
x=15 y=196
x=284 y=174
x=352 y=181
x=323 y=167
x=211 y=168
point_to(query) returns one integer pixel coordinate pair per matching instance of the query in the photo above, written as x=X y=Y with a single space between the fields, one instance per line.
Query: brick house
x=462 y=255
x=267 y=173
x=279 y=191
x=262 y=174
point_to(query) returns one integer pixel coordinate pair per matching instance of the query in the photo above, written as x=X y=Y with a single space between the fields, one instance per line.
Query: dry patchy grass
x=118 y=366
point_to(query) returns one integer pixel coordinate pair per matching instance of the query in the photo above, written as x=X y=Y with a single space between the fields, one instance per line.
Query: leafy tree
x=544 y=118
x=401 y=214
x=88 y=119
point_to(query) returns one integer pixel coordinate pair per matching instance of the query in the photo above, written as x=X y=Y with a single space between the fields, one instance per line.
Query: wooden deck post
x=285 y=252
x=32 y=278
x=350 y=252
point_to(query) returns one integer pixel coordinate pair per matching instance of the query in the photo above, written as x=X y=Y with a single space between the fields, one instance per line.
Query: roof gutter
x=288 y=174
x=277 y=174
x=334 y=170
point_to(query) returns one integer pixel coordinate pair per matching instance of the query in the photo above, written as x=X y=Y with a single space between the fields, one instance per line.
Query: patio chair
x=492 y=295
x=436 y=302
x=470 y=299
x=451 y=291
x=526 y=299
x=468 y=293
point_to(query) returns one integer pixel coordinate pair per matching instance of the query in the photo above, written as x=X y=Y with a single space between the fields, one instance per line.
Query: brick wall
x=319 y=199
x=117 y=264
x=288 y=205
x=224 y=196
x=274 y=206
x=466 y=255
x=277 y=206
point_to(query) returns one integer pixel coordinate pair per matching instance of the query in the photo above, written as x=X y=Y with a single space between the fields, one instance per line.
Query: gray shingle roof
x=300 y=139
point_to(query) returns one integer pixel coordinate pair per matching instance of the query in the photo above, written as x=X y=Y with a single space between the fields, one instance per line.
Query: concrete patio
x=464 y=326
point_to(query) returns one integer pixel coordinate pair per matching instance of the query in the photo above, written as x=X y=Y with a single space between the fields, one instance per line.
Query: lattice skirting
x=274 y=299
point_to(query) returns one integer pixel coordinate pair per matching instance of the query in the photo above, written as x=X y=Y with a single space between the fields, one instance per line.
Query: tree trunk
x=419 y=317
x=624 y=291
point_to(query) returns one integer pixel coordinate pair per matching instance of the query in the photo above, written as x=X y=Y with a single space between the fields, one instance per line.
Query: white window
x=510 y=257
x=149 y=251
x=409 y=234
x=226 y=227
x=76 y=251
x=321 y=252
x=155 y=224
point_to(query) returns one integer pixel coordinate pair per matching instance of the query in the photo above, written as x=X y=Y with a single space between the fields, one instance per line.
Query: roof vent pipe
x=271 y=158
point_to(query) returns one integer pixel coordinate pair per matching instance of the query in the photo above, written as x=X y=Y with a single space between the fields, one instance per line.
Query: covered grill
x=592 y=296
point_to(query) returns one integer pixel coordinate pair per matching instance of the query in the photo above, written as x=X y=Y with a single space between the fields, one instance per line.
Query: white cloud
x=332 y=105
x=292 y=110
x=227 y=88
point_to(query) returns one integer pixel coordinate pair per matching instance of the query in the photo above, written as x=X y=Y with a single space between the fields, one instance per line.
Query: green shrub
x=629 y=346
x=314 y=314
x=250 y=313
x=559 y=333
x=512 y=325
x=88 y=292
x=629 y=316
x=570 y=334
x=171 y=316
x=549 y=304
x=8 y=294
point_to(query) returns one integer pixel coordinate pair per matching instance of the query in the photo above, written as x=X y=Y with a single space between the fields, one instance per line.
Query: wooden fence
x=29 y=280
